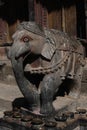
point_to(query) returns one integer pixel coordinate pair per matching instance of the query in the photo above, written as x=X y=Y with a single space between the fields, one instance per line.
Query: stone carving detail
x=42 y=59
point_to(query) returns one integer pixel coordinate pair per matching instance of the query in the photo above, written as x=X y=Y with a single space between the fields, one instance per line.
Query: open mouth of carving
x=23 y=63
x=24 y=55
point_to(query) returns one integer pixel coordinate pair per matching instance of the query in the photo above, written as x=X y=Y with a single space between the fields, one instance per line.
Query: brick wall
x=4 y=31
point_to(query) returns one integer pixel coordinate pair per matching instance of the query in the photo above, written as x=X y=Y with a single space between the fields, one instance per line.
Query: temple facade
x=67 y=16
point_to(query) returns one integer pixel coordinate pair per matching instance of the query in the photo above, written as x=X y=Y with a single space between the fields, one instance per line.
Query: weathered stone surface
x=52 y=56
x=84 y=80
x=8 y=93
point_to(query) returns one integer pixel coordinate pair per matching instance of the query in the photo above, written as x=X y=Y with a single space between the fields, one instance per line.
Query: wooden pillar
x=55 y=20
x=31 y=10
x=12 y=28
x=63 y=19
x=70 y=20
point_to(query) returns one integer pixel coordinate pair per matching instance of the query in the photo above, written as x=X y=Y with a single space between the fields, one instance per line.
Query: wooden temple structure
x=68 y=16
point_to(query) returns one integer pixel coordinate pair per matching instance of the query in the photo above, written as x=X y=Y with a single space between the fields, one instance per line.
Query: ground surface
x=10 y=93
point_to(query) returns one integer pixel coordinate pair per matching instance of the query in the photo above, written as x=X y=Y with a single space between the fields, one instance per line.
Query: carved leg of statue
x=72 y=71
x=76 y=87
x=29 y=90
x=49 y=87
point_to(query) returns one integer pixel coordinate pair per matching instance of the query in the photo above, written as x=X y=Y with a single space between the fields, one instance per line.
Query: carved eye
x=25 y=39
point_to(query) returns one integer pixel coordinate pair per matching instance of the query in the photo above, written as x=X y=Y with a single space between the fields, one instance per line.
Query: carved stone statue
x=41 y=60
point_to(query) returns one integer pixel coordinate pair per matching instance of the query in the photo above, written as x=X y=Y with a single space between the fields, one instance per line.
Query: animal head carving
x=31 y=37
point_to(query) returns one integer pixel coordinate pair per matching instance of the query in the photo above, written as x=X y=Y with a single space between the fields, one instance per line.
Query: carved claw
x=71 y=75
x=63 y=77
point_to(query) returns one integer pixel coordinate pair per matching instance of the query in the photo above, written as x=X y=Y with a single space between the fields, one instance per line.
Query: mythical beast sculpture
x=49 y=56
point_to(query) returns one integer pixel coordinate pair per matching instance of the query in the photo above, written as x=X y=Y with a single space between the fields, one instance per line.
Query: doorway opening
x=81 y=19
